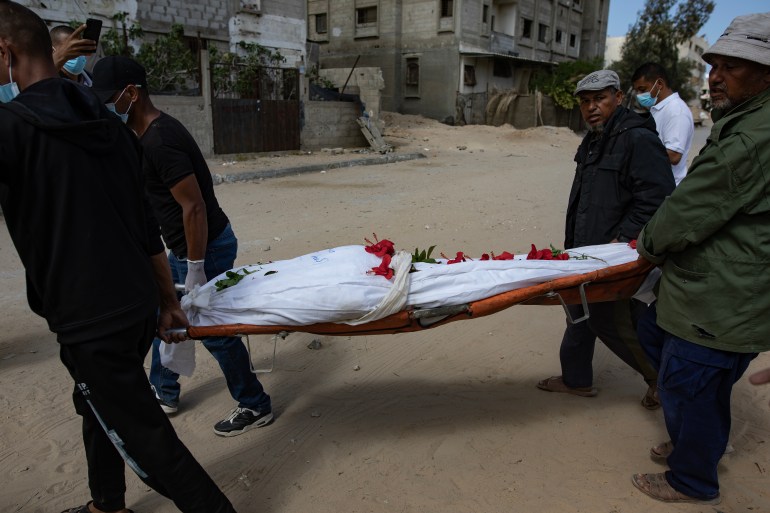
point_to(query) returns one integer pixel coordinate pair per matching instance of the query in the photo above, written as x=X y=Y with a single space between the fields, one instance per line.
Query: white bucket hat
x=747 y=37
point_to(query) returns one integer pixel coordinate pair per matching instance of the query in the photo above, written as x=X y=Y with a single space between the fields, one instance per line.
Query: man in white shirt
x=672 y=116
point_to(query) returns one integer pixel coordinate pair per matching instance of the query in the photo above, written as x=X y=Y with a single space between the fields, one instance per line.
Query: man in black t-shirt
x=197 y=232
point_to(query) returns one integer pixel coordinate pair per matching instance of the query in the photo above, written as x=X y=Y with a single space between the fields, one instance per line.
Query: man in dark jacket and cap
x=622 y=176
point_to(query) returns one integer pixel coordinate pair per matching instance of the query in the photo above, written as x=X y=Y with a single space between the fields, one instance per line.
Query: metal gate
x=256 y=111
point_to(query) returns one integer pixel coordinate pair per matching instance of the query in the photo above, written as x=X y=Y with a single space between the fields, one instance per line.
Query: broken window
x=366 y=15
x=542 y=32
x=572 y=40
x=412 y=82
x=558 y=36
x=320 y=23
x=485 y=13
x=469 y=75
x=526 y=28
x=447 y=9
x=413 y=71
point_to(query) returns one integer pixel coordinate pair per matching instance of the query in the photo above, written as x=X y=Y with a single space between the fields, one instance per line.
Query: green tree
x=655 y=36
x=117 y=40
x=168 y=61
x=559 y=83
x=243 y=72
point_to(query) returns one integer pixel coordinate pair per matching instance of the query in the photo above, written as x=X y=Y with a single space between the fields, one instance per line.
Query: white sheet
x=334 y=285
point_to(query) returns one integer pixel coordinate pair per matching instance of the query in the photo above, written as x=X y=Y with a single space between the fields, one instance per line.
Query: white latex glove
x=195 y=275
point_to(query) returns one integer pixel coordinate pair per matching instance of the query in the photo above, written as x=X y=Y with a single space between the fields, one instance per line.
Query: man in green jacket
x=712 y=239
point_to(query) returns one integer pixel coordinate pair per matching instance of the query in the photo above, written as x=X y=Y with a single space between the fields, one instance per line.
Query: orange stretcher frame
x=608 y=284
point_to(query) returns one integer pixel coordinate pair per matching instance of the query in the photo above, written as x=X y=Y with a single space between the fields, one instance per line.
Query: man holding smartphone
x=69 y=52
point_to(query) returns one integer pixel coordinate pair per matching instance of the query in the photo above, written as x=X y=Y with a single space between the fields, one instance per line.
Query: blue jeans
x=694 y=385
x=229 y=352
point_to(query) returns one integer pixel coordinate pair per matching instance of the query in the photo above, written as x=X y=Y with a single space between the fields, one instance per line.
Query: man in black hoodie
x=72 y=192
x=622 y=177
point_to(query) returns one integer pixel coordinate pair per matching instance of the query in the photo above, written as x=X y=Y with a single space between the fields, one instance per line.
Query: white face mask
x=111 y=107
x=10 y=90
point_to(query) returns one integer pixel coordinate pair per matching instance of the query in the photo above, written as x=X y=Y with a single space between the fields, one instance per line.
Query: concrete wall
x=530 y=110
x=331 y=125
x=208 y=18
x=193 y=114
x=277 y=24
x=365 y=82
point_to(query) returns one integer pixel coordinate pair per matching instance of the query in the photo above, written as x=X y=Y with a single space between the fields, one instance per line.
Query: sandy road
x=446 y=420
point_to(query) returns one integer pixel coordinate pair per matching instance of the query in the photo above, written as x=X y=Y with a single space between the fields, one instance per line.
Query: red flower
x=632 y=244
x=503 y=256
x=459 y=258
x=384 y=268
x=380 y=248
x=485 y=256
x=546 y=254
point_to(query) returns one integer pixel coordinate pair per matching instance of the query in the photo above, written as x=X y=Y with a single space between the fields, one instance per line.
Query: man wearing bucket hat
x=712 y=239
x=622 y=176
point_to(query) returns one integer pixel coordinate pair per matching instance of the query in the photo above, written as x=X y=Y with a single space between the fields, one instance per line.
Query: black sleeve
x=170 y=163
x=650 y=179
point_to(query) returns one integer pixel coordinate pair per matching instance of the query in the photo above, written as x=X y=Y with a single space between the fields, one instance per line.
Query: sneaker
x=167 y=407
x=241 y=420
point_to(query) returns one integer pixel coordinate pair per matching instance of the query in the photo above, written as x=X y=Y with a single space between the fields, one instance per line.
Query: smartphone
x=93 y=30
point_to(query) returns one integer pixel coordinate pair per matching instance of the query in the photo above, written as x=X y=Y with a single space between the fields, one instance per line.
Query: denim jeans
x=694 y=385
x=229 y=352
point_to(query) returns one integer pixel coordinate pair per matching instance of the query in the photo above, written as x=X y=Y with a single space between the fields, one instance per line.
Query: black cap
x=113 y=74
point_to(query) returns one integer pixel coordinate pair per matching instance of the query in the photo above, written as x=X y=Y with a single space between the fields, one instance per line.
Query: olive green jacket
x=712 y=237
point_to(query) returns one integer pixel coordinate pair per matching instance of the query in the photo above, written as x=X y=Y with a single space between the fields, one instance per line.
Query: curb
x=248 y=176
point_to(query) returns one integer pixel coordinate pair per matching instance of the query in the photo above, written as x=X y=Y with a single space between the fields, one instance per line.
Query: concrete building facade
x=275 y=24
x=442 y=58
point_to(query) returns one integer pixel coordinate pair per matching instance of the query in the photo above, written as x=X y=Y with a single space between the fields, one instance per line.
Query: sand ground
x=443 y=421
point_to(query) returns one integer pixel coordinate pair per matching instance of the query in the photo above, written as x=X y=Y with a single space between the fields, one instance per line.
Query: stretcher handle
x=429 y=316
x=583 y=302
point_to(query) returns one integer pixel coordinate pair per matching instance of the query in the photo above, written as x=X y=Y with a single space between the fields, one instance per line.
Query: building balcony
x=503 y=43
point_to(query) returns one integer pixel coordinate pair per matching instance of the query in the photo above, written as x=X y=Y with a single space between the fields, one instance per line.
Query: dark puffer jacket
x=620 y=181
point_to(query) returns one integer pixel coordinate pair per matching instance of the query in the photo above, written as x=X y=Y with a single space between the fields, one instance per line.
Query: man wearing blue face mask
x=673 y=119
x=195 y=228
x=69 y=53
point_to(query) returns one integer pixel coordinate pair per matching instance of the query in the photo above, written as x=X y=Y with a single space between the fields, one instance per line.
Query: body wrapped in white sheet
x=336 y=285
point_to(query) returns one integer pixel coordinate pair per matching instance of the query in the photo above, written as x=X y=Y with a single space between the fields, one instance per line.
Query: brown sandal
x=650 y=399
x=658 y=487
x=661 y=452
x=556 y=384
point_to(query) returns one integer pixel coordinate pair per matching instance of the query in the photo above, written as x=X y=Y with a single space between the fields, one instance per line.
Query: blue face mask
x=646 y=100
x=111 y=107
x=75 y=66
x=10 y=90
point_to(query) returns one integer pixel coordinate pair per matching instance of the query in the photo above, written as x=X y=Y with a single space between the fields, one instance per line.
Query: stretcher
x=607 y=284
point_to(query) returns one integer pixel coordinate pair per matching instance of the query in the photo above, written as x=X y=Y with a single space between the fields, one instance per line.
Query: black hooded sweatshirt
x=72 y=192
x=622 y=177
